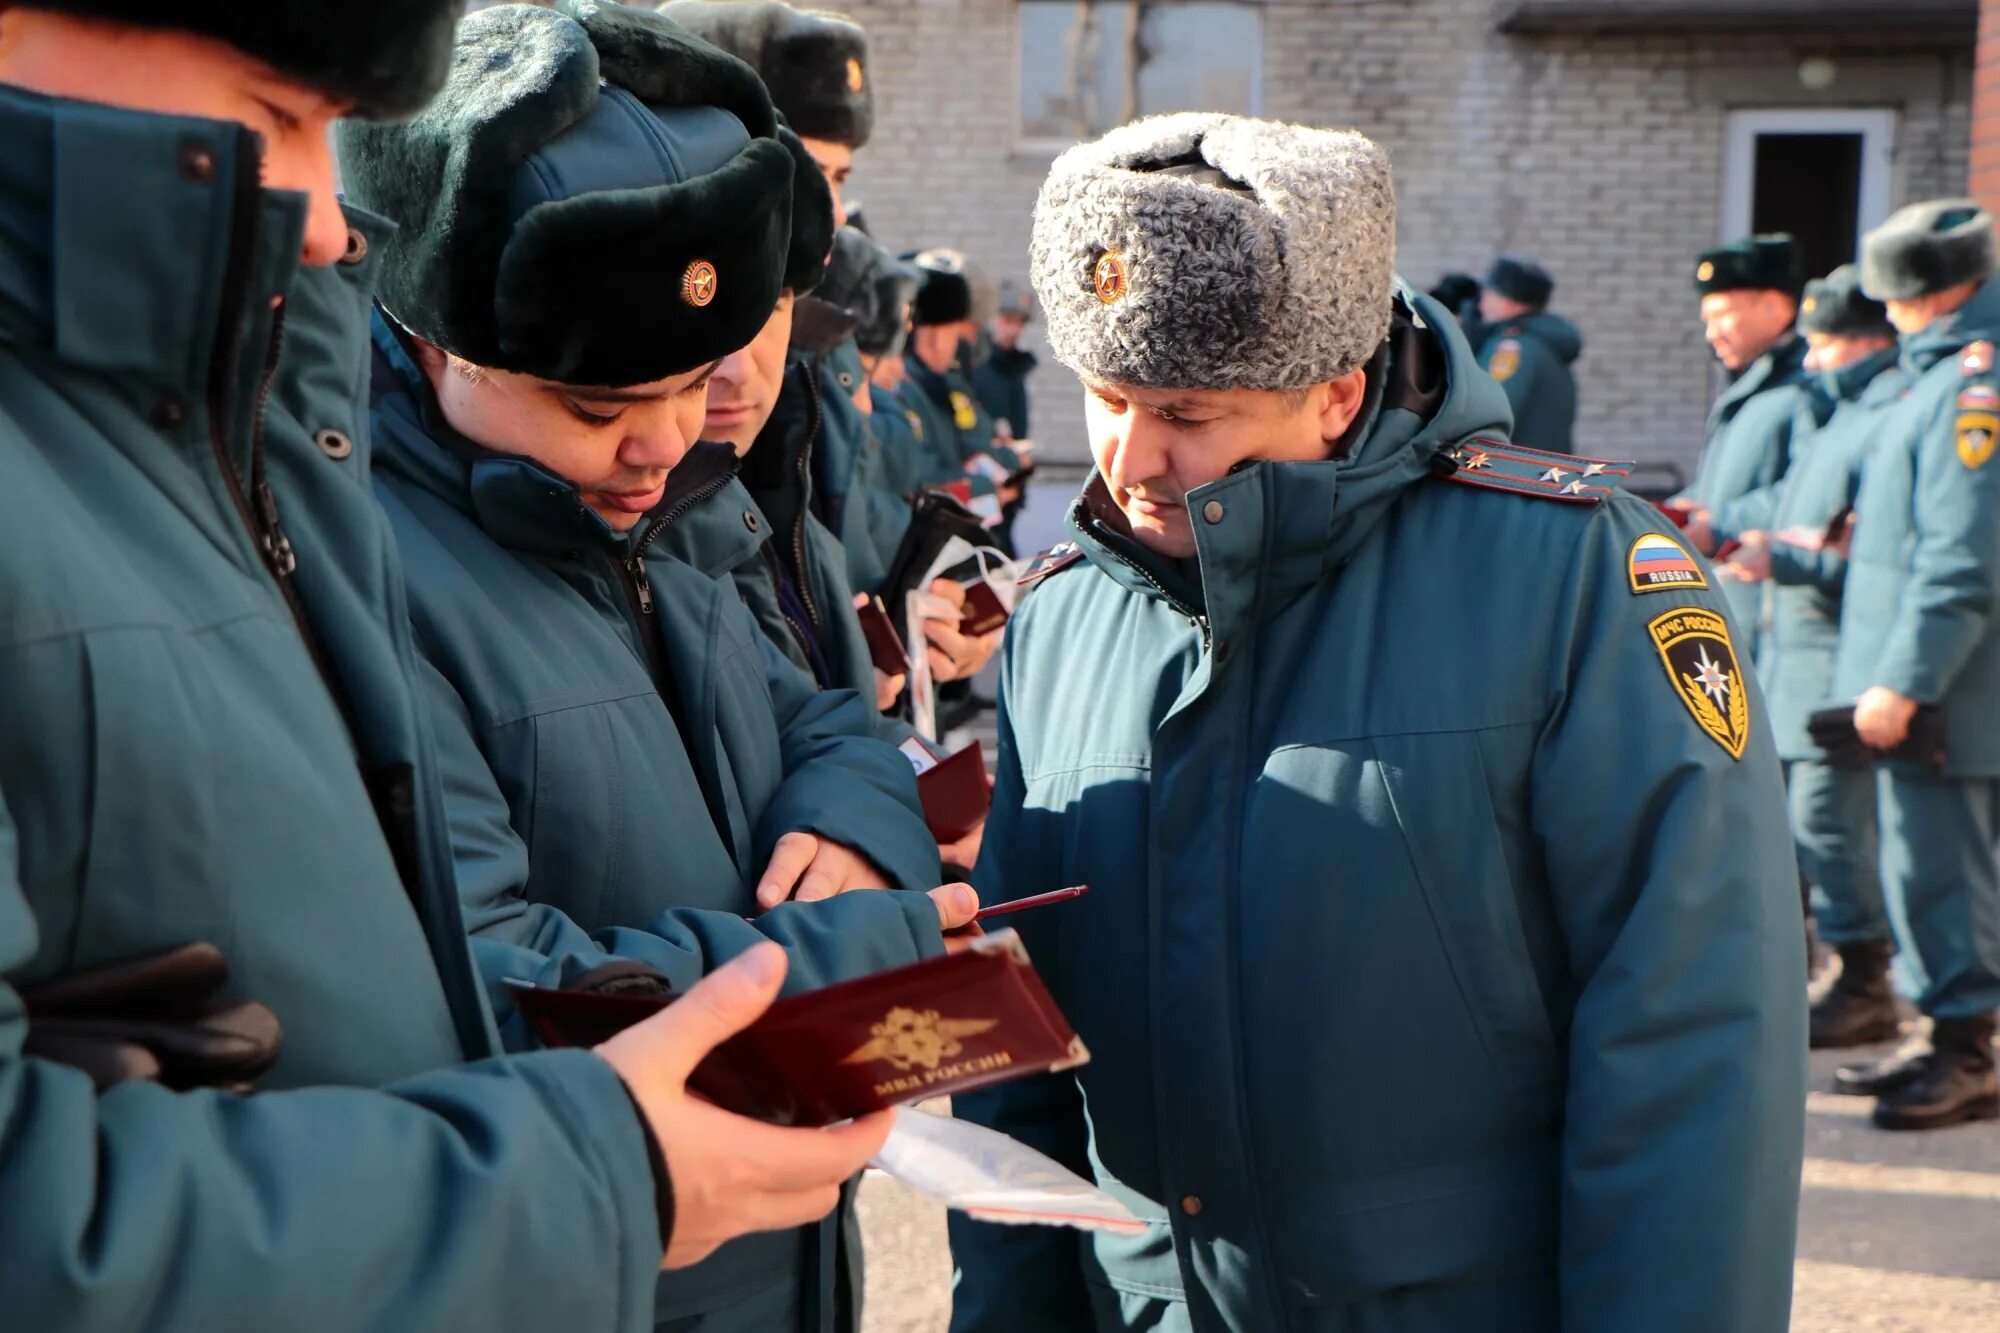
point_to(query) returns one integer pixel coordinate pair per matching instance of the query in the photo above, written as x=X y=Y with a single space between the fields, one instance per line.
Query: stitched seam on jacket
x=1482 y=728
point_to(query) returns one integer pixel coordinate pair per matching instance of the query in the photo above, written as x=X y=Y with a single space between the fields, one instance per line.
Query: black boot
x=1957 y=1084
x=1859 y=1008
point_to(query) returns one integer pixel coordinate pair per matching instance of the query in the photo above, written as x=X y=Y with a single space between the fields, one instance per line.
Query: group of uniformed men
x=453 y=586
x=1843 y=490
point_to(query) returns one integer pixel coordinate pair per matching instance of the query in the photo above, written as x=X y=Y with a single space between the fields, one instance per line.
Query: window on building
x=1824 y=176
x=1088 y=66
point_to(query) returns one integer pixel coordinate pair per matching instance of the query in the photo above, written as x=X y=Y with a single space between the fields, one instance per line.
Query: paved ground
x=1898 y=1233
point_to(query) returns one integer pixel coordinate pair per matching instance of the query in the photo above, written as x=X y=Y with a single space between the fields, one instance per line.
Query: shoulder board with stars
x=1498 y=465
x=1054 y=560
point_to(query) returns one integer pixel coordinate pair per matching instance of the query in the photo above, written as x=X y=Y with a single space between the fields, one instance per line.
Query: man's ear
x=1340 y=402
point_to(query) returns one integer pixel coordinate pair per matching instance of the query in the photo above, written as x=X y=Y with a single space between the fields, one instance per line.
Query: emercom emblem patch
x=1658 y=563
x=1701 y=665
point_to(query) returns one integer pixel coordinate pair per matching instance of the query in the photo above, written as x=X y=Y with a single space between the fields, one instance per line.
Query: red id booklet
x=953 y=788
x=885 y=646
x=945 y=1025
x=984 y=612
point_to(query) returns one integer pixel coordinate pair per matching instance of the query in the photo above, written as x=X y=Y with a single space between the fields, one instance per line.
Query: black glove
x=155 y=1017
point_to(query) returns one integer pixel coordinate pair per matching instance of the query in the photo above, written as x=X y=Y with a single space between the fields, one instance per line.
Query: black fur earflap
x=814 y=63
x=812 y=219
x=385 y=56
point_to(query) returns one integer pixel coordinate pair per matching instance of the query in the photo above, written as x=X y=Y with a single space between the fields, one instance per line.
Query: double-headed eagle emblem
x=918 y=1038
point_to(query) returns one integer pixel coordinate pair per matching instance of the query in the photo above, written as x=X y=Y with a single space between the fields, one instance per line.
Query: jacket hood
x=1286 y=526
x=1552 y=331
x=1977 y=320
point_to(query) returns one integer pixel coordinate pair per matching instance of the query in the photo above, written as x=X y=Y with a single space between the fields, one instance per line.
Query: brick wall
x=1601 y=156
x=1985 y=175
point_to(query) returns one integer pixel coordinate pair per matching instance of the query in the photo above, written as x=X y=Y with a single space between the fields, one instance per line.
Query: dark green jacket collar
x=1978 y=319
x=117 y=230
x=1286 y=526
x=1782 y=363
x=515 y=500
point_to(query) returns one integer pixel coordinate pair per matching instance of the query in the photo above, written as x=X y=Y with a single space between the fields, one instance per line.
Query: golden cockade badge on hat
x=1705 y=272
x=1109 y=277
x=856 y=80
x=698 y=283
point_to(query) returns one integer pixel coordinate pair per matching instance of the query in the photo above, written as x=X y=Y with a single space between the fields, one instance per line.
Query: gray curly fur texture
x=1281 y=284
x=1927 y=247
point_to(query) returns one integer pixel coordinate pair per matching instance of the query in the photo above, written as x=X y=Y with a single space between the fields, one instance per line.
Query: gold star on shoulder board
x=1554 y=474
x=1593 y=469
x=1575 y=488
x=1477 y=461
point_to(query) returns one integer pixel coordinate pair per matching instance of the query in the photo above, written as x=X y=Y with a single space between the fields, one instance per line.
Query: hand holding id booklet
x=966 y=1020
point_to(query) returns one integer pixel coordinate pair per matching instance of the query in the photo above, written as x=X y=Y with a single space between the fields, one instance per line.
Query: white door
x=1825 y=175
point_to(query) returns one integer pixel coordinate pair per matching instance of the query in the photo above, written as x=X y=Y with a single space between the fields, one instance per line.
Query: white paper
x=987 y=1175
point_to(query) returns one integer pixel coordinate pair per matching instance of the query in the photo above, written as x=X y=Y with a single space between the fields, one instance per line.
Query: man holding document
x=1440 y=967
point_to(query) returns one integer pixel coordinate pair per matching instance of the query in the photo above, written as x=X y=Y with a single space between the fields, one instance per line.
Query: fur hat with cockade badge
x=814 y=63
x=596 y=197
x=385 y=56
x=1835 y=305
x=1927 y=248
x=1750 y=263
x=1211 y=251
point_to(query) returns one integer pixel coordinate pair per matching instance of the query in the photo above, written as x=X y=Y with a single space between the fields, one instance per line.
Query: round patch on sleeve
x=1694 y=645
x=1658 y=563
x=962 y=414
x=1506 y=360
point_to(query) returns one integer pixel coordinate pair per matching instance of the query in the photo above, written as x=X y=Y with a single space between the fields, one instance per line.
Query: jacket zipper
x=805 y=498
x=1194 y=618
x=638 y=586
x=267 y=533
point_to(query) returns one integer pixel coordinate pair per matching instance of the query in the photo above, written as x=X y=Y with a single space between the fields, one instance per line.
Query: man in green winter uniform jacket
x=1528 y=350
x=817 y=67
x=213 y=735
x=1919 y=627
x=620 y=742
x=957 y=433
x=1792 y=545
x=1440 y=967
x=1749 y=304
x=1000 y=380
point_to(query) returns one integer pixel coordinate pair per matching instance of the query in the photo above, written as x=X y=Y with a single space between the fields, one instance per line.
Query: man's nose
x=657 y=445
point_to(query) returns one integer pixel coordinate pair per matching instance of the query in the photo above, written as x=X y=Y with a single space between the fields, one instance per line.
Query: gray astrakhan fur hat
x=1199 y=250
x=596 y=197
x=1926 y=248
x=386 y=56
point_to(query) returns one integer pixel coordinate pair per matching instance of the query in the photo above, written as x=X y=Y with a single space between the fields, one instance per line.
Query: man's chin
x=1171 y=538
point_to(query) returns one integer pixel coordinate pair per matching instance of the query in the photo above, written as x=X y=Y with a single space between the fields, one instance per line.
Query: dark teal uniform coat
x=1833 y=810
x=1531 y=357
x=1922 y=616
x=622 y=745
x=1440 y=970
x=1749 y=447
x=178 y=764
x=956 y=429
